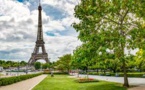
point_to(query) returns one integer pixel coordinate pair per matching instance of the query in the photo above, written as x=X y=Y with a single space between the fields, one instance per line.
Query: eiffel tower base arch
x=36 y=57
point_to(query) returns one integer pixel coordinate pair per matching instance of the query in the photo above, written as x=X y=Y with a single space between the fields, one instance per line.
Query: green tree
x=23 y=63
x=37 y=65
x=64 y=62
x=83 y=57
x=45 y=66
x=140 y=59
x=9 y=63
x=115 y=24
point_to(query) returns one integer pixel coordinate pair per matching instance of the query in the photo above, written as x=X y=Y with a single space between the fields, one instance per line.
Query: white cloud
x=54 y=25
x=18 y=29
x=66 y=5
x=68 y=21
x=60 y=45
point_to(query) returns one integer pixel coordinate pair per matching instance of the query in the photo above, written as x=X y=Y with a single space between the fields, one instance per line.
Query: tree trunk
x=126 y=84
x=114 y=70
x=68 y=71
x=97 y=71
x=104 y=71
x=101 y=70
x=140 y=67
x=87 y=73
x=77 y=72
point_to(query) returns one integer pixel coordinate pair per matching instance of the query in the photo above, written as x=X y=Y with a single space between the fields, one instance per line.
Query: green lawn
x=64 y=82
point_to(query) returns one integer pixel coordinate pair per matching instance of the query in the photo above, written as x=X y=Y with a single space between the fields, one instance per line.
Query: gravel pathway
x=139 y=82
x=137 y=88
x=24 y=85
x=132 y=81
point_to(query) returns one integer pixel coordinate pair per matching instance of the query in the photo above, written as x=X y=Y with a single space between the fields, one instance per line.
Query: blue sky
x=18 y=28
x=20 y=0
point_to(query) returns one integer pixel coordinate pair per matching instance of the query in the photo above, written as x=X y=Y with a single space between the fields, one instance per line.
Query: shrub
x=11 y=80
x=135 y=74
x=93 y=73
x=56 y=73
x=132 y=74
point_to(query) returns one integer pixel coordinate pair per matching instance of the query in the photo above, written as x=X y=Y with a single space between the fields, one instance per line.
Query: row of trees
x=62 y=64
x=69 y=62
x=135 y=63
x=6 y=64
x=39 y=65
x=109 y=30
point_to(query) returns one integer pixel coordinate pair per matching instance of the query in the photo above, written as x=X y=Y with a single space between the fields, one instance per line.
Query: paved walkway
x=132 y=81
x=138 y=88
x=24 y=85
x=140 y=82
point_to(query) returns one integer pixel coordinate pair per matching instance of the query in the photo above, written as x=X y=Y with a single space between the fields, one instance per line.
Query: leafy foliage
x=110 y=25
x=7 y=64
x=64 y=62
x=37 y=65
x=140 y=59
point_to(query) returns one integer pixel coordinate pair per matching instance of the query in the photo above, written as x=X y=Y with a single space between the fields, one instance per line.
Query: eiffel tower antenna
x=36 y=55
x=39 y=2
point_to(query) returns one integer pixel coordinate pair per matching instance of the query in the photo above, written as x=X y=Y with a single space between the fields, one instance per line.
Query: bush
x=93 y=73
x=56 y=73
x=135 y=74
x=11 y=80
x=131 y=75
x=101 y=74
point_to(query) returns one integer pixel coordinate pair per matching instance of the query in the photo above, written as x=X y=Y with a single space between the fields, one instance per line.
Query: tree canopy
x=37 y=65
x=64 y=62
x=114 y=26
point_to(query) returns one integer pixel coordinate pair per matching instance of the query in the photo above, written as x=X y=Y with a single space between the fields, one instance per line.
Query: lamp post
x=10 y=70
x=26 y=71
x=18 y=69
x=49 y=59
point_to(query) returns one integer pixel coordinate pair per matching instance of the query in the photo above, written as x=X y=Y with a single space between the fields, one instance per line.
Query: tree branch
x=124 y=15
x=111 y=20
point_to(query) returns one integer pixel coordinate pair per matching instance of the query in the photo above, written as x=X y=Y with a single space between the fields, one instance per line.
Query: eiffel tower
x=36 y=55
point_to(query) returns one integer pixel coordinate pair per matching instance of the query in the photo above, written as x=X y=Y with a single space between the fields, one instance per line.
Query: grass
x=64 y=82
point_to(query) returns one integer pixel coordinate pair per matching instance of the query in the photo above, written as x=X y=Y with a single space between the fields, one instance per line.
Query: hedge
x=141 y=75
x=101 y=74
x=132 y=75
x=11 y=80
x=56 y=73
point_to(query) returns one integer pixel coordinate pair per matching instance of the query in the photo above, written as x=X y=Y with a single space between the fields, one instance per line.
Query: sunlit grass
x=64 y=82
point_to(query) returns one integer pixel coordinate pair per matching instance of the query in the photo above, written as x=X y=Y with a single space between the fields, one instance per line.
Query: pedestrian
x=52 y=74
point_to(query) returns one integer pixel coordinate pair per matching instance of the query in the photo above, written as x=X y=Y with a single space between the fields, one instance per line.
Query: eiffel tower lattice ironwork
x=36 y=55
